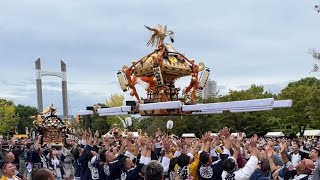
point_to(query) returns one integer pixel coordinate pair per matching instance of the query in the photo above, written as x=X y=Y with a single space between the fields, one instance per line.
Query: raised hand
x=254 y=149
x=269 y=152
x=284 y=146
x=124 y=143
x=255 y=137
x=253 y=141
x=203 y=138
x=142 y=140
x=130 y=136
x=139 y=143
x=96 y=134
x=209 y=136
x=179 y=143
x=226 y=132
x=240 y=137
x=237 y=145
x=149 y=145
x=166 y=144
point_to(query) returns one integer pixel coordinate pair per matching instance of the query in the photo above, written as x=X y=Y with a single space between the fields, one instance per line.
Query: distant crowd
x=119 y=155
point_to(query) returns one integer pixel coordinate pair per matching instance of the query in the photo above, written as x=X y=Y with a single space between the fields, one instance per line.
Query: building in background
x=209 y=90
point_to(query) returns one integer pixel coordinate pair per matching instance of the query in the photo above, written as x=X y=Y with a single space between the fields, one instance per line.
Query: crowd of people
x=119 y=155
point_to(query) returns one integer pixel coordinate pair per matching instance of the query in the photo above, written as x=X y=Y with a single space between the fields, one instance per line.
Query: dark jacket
x=214 y=171
x=84 y=170
x=257 y=175
x=111 y=171
x=134 y=173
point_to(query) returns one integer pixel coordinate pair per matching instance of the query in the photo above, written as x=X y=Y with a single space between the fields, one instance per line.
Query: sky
x=243 y=42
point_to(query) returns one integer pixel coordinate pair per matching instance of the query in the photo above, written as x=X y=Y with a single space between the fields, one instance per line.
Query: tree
x=308 y=81
x=104 y=123
x=313 y=110
x=150 y=125
x=115 y=100
x=25 y=120
x=8 y=116
x=101 y=124
x=251 y=122
x=301 y=92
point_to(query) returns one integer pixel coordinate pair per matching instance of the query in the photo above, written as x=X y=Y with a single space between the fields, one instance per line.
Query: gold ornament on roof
x=160 y=70
x=159 y=33
x=49 y=110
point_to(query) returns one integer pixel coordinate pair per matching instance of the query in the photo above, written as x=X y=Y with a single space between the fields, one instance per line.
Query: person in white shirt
x=297 y=155
x=230 y=171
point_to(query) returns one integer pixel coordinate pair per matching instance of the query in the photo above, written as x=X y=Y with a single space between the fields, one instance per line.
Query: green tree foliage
x=115 y=100
x=313 y=108
x=25 y=120
x=150 y=125
x=8 y=117
x=250 y=122
x=104 y=123
x=101 y=124
x=304 y=110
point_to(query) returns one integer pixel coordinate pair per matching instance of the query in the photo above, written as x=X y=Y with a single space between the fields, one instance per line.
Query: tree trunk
x=302 y=128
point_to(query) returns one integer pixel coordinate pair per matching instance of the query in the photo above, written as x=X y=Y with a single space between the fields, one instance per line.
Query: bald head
x=154 y=171
x=42 y=174
x=305 y=166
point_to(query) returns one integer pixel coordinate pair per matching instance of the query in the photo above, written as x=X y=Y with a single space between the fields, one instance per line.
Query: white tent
x=275 y=134
x=310 y=133
x=135 y=134
x=236 y=134
x=188 y=135
x=214 y=134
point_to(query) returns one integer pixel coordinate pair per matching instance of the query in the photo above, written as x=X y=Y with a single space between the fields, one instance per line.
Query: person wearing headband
x=9 y=171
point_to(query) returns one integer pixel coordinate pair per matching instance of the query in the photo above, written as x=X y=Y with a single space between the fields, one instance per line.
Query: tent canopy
x=188 y=135
x=310 y=133
x=214 y=134
x=275 y=134
x=236 y=134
